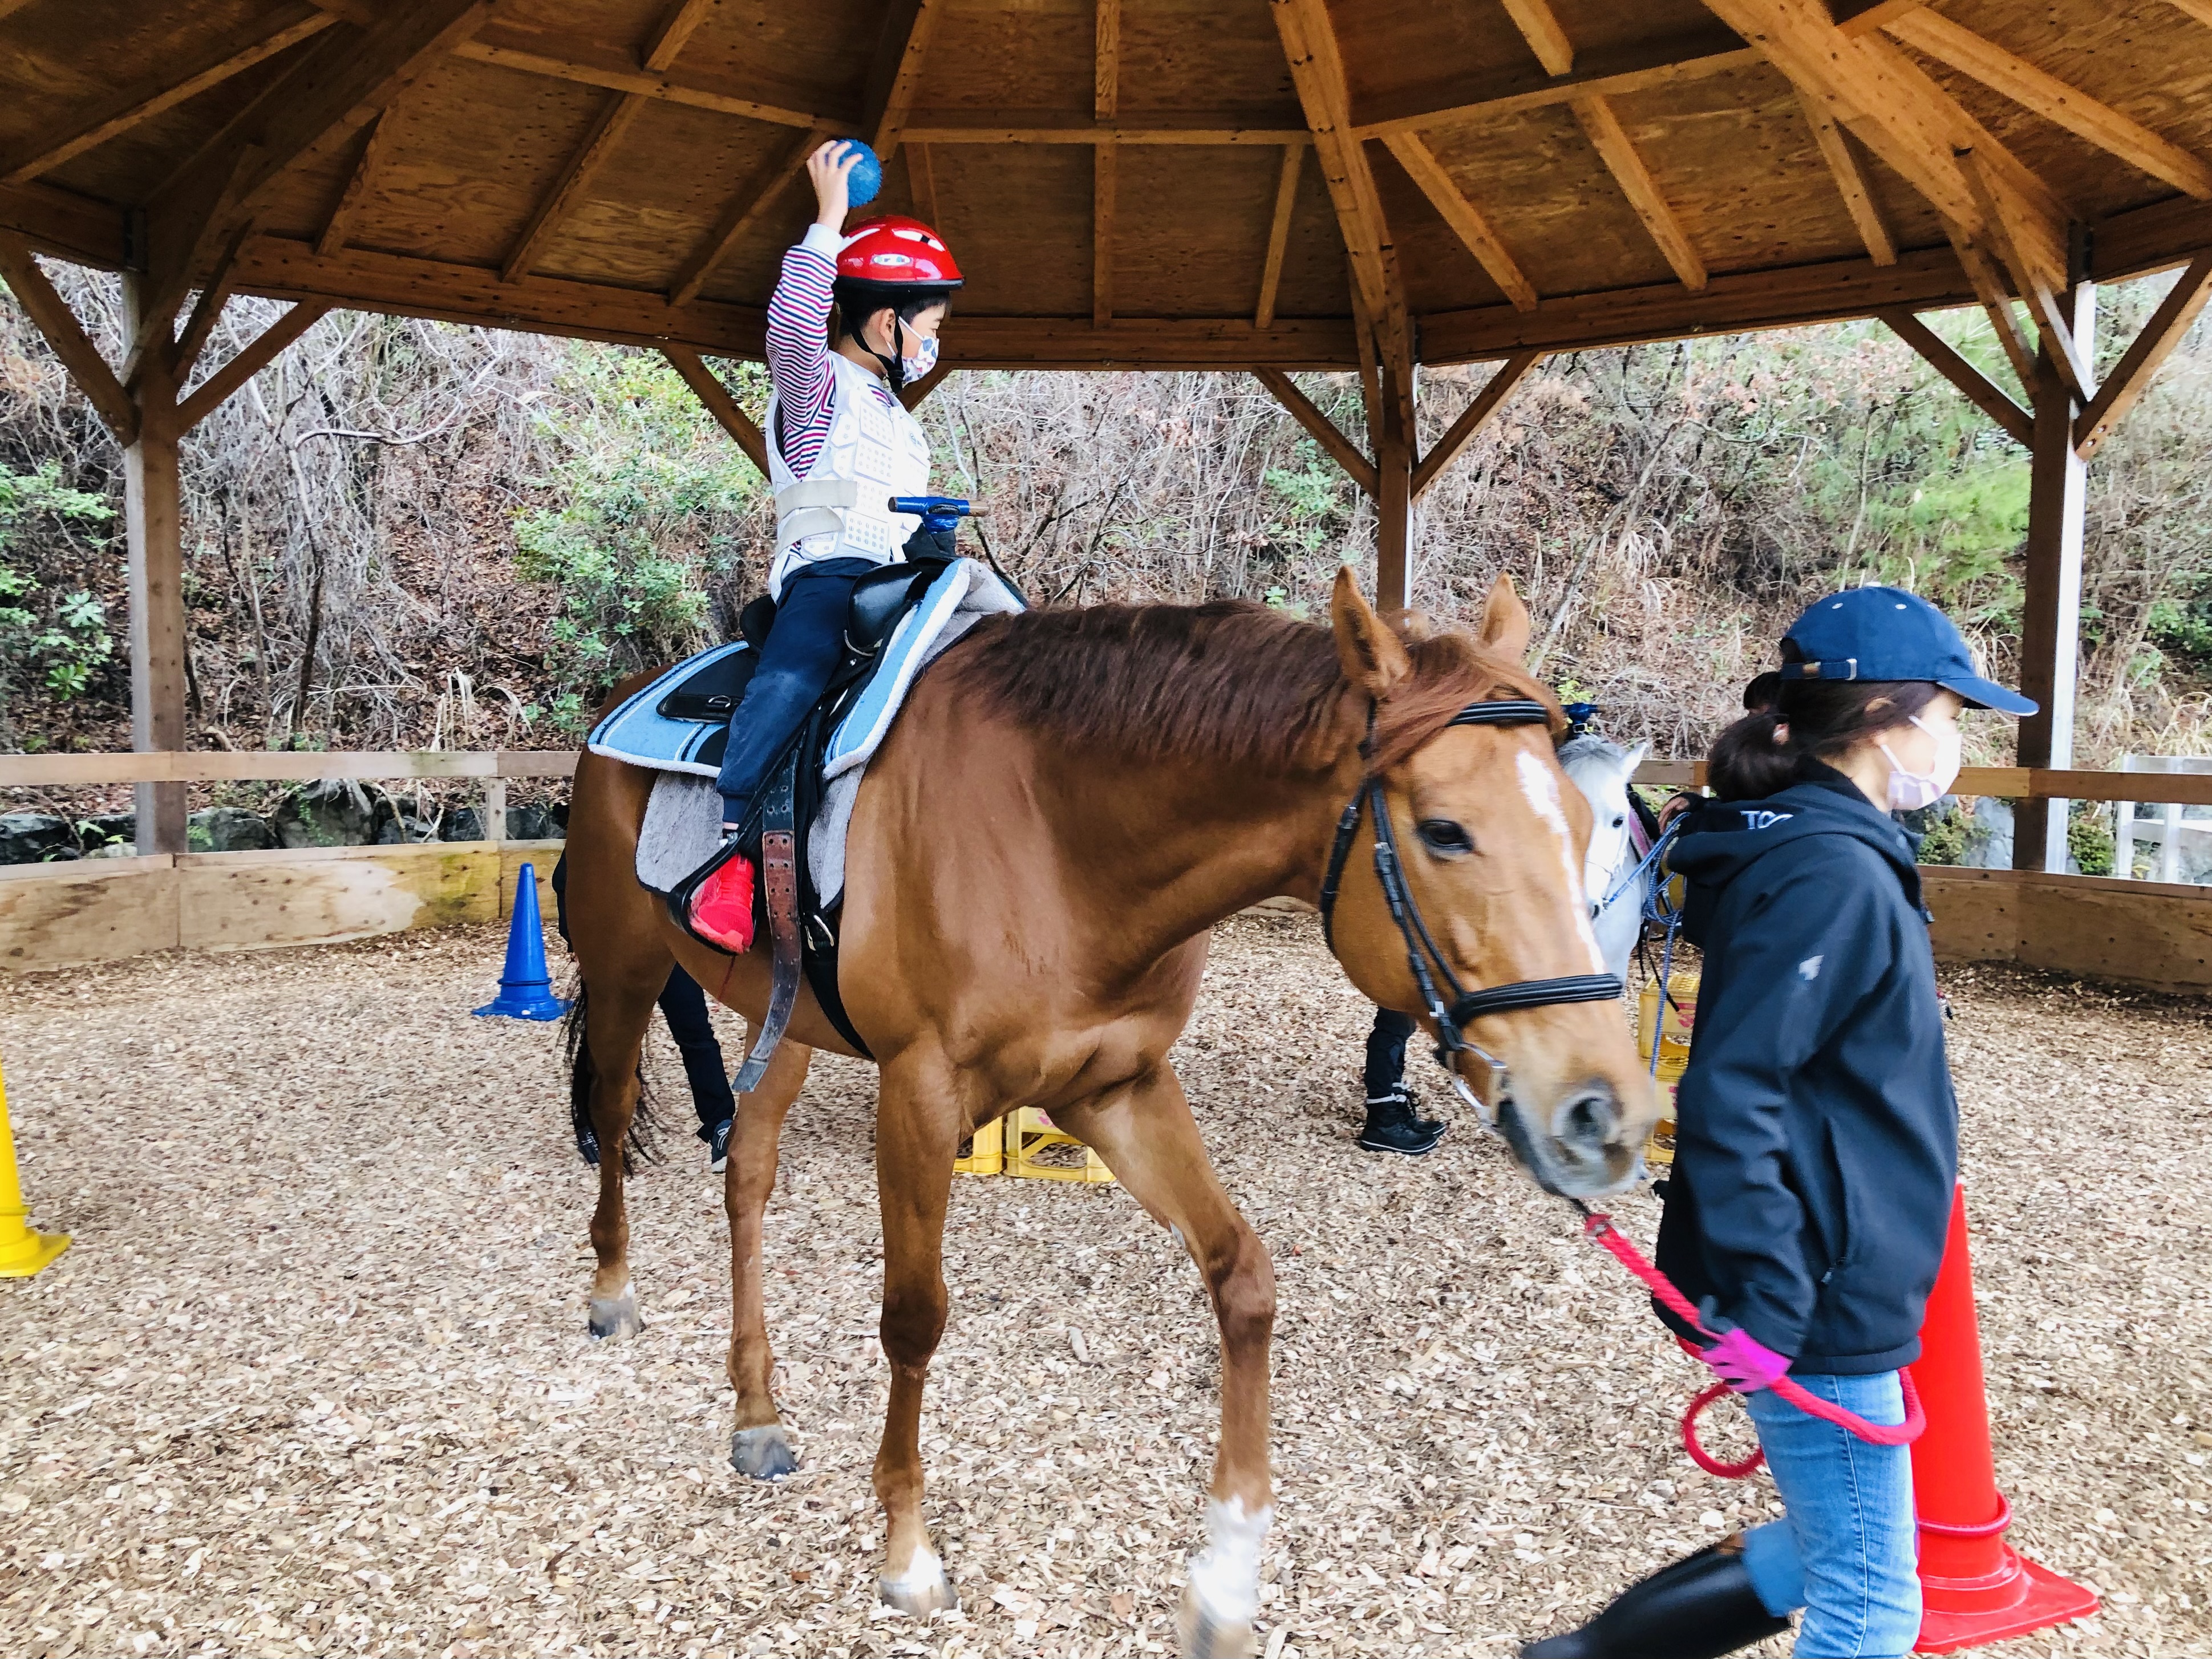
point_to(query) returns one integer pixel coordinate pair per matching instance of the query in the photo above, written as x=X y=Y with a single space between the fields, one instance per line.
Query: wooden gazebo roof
x=1222 y=183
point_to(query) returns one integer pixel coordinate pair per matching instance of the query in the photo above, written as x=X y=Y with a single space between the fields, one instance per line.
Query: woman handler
x=842 y=446
x=1817 y=1138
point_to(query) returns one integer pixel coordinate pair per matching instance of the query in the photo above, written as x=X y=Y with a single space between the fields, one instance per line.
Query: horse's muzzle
x=1586 y=1154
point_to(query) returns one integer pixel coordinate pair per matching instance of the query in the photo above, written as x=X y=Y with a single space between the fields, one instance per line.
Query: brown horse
x=1070 y=800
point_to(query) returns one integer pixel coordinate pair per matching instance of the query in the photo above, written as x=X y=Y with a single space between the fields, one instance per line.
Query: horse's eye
x=1444 y=838
x=1618 y=822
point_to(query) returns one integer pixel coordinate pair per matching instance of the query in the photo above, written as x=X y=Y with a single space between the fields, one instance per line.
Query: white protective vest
x=840 y=509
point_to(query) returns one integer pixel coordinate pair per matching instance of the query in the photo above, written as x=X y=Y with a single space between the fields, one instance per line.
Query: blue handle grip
x=936 y=512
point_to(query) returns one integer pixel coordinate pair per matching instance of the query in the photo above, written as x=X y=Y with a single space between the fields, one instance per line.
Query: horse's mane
x=1229 y=681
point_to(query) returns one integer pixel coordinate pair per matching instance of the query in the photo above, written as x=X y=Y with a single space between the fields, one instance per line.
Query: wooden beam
x=1603 y=73
x=921 y=182
x=619 y=73
x=2131 y=376
x=914 y=392
x=2199 y=9
x=719 y=404
x=1852 y=183
x=1985 y=394
x=88 y=369
x=1472 y=419
x=2041 y=298
x=895 y=76
x=1865 y=16
x=1278 y=234
x=215 y=391
x=1988 y=283
x=153 y=519
x=358 y=181
x=1613 y=147
x=1898 y=111
x=1317 y=70
x=1929 y=32
x=1201 y=132
x=746 y=209
x=214 y=295
x=677 y=26
x=164 y=92
x=1462 y=215
x=75 y=228
x=1323 y=430
x=1541 y=28
x=345 y=81
x=1106 y=108
x=1394 y=487
x=614 y=119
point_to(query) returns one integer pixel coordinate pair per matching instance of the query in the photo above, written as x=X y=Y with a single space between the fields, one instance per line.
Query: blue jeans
x=1847 y=1551
x=801 y=653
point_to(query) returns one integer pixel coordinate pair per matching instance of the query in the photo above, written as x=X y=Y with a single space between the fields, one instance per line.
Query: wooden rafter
x=1894 y=107
x=1988 y=283
x=619 y=73
x=1465 y=219
x=1619 y=153
x=1934 y=36
x=166 y=92
x=2200 y=9
x=2175 y=315
x=1852 y=183
x=1472 y=419
x=2040 y=297
x=1606 y=73
x=208 y=308
x=614 y=119
x=1317 y=70
x=86 y=369
x=896 y=76
x=1195 y=131
x=746 y=209
x=673 y=32
x=1279 y=234
x=719 y=404
x=1106 y=107
x=1324 y=431
x=346 y=78
x=1985 y=394
x=921 y=182
x=215 y=391
x=360 y=179
x=1539 y=27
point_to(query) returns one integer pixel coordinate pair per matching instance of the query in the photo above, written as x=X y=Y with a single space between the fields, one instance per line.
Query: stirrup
x=679 y=898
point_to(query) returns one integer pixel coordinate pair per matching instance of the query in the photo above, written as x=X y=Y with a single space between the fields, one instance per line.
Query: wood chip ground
x=314 y=1377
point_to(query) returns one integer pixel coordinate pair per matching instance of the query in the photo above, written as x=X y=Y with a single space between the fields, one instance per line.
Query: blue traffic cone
x=526 y=988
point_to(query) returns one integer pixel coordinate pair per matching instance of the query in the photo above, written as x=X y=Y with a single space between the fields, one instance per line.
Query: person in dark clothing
x=1817 y=1138
x=684 y=1005
x=1395 y=1123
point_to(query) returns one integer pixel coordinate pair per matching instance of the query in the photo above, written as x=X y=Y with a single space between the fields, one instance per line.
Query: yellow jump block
x=1029 y=1131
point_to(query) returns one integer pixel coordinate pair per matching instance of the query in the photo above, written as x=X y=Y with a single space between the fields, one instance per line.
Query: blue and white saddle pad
x=682 y=823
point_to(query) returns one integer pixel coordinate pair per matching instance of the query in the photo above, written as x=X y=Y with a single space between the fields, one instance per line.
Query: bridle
x=1465 y=1005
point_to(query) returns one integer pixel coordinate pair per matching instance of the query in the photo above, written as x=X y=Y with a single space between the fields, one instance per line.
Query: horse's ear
x=1635 y=758
x=1372 y=656
x=1506 y=625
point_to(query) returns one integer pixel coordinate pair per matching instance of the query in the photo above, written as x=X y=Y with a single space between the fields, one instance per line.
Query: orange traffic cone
x=1974 y=1589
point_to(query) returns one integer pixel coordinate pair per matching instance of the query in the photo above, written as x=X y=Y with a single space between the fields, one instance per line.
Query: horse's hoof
x=921 y=1589
x=764 y=1452
x=615 y=1316
x=1199 y=1635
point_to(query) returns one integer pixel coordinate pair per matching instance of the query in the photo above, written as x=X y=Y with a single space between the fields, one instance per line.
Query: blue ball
x=866 y=177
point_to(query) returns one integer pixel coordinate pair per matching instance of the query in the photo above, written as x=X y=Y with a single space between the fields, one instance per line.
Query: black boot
x=1700 y=1608
x=1392 y=1126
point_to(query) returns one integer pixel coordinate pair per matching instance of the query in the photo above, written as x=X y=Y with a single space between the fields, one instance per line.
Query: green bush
x=56 y=641
x=2089 y=837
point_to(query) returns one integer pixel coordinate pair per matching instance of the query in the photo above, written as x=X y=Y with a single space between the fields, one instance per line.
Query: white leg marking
x=1542 y=789
x=922 y=1571
x=1225 y=1576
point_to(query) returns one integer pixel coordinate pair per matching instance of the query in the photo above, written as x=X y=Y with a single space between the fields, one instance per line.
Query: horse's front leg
x=1146 y=1133
x=917 y=1135
x=759 y=1446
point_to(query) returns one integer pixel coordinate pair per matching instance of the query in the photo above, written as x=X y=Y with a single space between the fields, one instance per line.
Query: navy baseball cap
x=1887 y=634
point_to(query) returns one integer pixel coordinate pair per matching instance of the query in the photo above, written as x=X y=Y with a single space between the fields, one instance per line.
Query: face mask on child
x=918 y=361
x=1910 y=790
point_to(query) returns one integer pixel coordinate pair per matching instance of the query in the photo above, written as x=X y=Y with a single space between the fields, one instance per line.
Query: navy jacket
x=1817 y=1136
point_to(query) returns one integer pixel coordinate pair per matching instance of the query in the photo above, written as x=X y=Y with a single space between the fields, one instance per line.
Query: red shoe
x=722 y=906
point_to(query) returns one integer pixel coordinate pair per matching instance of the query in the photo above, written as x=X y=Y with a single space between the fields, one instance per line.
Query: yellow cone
x=22 y=1252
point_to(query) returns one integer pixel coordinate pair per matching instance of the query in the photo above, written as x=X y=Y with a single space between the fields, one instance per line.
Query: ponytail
x=1812 y=721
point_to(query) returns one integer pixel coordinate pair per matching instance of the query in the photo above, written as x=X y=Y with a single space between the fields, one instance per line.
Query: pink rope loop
x=1703 y=1459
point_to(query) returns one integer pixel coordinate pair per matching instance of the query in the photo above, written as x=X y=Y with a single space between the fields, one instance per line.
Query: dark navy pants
x=684 y=1005
x=801 y=653
x=1386 y=1052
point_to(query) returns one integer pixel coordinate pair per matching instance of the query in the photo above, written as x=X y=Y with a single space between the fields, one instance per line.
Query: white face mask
x=918 y=361
x=1910 y=790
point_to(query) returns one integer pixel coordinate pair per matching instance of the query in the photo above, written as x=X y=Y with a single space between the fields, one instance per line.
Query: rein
x=1450 y=1017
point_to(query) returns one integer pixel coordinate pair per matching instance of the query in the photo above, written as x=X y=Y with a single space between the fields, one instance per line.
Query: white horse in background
x=1601 y=770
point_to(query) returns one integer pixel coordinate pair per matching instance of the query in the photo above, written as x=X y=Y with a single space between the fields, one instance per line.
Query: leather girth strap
x=780 y=888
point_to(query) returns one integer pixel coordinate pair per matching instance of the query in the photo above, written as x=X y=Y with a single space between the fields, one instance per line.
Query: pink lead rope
x=1599 y=1228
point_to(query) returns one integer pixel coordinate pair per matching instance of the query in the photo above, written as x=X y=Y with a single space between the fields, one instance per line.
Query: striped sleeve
x=799 y=346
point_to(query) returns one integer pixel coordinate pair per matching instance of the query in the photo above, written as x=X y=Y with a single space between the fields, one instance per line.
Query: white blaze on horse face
x=1541 y=786
x=1225 y=1577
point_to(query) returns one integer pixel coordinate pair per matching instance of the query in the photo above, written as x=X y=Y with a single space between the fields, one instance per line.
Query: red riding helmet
x=896 y=251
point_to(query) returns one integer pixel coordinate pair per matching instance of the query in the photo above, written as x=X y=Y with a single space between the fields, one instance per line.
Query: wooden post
x=2051 y=629
x=153 y=509
x=495 y=810
x=1394 y=494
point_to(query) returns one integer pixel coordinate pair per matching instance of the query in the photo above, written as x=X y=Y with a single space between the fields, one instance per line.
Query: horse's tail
x=643 y=1139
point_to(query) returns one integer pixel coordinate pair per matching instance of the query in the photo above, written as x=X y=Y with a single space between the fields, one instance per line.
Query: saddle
x=802 y=931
